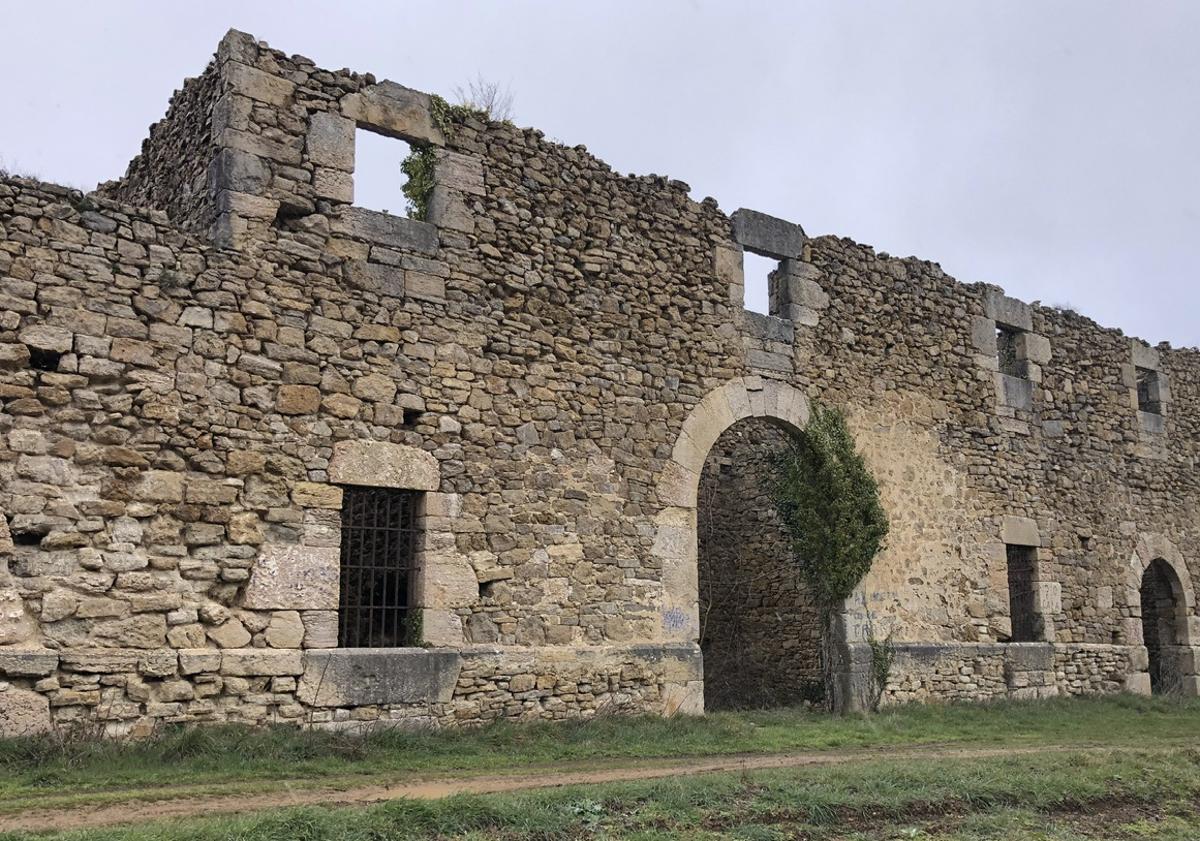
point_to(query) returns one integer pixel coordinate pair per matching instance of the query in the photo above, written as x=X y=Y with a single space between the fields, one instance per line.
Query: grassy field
x=210 y=755
x=1127 y=794
x=1140 y=774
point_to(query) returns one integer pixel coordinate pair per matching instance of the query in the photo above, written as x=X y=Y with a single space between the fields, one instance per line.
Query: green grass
x=35 y=768
x=1055 y=797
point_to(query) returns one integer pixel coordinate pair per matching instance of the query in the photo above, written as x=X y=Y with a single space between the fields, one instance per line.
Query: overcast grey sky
x=1052 y=148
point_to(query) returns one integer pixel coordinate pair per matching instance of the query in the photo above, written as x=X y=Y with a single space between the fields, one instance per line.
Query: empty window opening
x=756 y=273
x=1160 y=613
x=44 y=360
x=1147 y=391
x=1022 y=561
x=378 y=179
x=410 y=417
x=1007 y=339
x=379 y=535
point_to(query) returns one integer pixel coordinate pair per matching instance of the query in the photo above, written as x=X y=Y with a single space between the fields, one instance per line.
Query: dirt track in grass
x=137 y=806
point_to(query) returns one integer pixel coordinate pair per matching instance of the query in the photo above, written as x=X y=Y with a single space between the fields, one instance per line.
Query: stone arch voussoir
x=1150 y=547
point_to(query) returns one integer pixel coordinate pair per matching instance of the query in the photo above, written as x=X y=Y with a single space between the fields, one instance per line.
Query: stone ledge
x=385 y=229
x=352 y=677
x=27 y=662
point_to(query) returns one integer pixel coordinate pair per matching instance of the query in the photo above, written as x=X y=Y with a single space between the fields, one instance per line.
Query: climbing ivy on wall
x=419 y=167
x=420 y=164
x=829 y=504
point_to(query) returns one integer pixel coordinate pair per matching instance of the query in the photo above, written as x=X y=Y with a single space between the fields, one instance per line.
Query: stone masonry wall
x=547 y=359
x=760 y=628
x=172 y=171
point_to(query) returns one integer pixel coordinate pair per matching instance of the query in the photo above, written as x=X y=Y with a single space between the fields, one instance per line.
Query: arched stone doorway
x=1161 y=597
x=776 y=405
x=1162 y=602
x=760 y=627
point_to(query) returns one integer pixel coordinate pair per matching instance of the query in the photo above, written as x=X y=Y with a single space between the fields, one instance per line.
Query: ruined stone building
x=267 y=456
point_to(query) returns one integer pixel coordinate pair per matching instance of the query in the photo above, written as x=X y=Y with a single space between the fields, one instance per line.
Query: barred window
x=1021 y=603
x=379 y=529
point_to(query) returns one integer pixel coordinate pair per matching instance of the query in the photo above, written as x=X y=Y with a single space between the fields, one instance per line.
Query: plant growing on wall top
x=829 y=504
x=481 y=100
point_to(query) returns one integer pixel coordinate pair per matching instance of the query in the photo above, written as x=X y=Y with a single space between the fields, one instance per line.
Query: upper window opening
x=1007 y=339
x=379 y=531
x=756 y=271
x=1148 y=391
x=378 y=179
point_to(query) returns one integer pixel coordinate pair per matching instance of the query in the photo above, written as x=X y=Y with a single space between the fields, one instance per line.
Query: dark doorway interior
x=760 y=627
x=1160 y=608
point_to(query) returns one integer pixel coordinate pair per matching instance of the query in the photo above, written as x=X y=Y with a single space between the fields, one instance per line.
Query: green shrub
x=829 y=504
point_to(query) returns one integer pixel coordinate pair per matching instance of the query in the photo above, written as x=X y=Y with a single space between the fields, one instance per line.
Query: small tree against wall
x=829 y=504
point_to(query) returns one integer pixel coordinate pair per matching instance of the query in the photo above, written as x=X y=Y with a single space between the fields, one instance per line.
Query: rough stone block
x=257 y=84
x=258 y=662
x=447 y=580
x=357 y=677
x=330 y=141
x=441 y=627
x=448 y=210
x=1033 y=347
x=460 y=173
x=239 y=172
x=375 y=277
x=23 y=712
x=1143 y=355
x=294 y=578
x=320 y=628
x=333 y=184
x=196 y=660
x=767 y=235
x=28 y=662
x=1015 y=392
x=424 y=287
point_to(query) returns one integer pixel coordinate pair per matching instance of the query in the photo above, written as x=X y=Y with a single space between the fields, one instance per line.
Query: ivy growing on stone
x=829 y=504
x=419 y=167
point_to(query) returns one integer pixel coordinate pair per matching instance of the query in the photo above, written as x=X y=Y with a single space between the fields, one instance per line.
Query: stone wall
x=173 y=172
x=760 y=628
x=548 y=360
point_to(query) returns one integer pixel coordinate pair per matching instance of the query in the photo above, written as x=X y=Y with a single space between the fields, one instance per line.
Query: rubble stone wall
x=548 y=358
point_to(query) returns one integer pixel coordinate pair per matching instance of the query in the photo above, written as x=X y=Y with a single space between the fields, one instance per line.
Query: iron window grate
x=378 y=547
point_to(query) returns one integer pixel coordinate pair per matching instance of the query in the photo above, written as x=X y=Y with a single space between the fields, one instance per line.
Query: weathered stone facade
x=198 y=359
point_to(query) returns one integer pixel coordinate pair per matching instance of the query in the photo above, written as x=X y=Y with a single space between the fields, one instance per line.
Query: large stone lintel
x=394 y=110
x=382 y=464
x=767 y=235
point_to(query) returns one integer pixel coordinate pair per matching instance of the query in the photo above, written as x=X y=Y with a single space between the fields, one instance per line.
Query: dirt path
x=304 y=793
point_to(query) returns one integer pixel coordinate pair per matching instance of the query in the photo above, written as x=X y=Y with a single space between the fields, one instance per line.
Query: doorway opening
x=760 y=626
